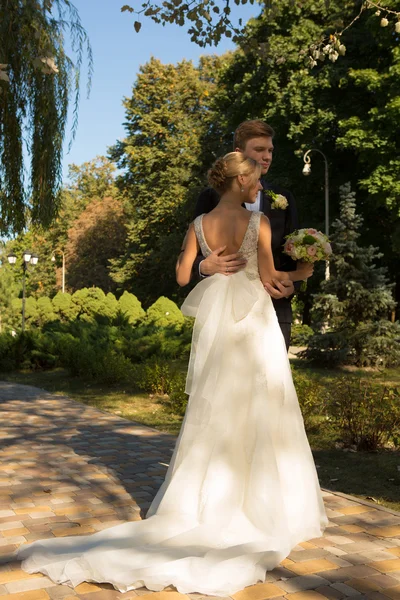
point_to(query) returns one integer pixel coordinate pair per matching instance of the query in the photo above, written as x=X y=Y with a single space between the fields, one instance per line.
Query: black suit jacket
x=283 y=222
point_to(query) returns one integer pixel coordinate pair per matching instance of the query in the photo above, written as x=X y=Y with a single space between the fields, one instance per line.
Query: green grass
x=383 y=376
x=362 y=474
x=370 y=476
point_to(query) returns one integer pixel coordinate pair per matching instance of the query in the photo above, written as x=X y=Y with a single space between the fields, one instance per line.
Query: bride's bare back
x=226 y=227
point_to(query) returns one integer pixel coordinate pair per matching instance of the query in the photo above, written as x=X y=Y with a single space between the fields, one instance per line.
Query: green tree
x=346 y=108
x=357 y=301
x=166 y=117
x=41 y=278
x=92 y=180
x=86 y=229
x=9 y=290
x=37 y=81
x=94 y=238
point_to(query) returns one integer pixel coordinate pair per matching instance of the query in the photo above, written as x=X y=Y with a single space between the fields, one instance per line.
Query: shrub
x=29 y=350
x=369 y=344
x=158 y=378
x=300 y=335
x=142 y=343
x=311 y=395
x=367 y=414
x=130 y=306
x=114 y=367
x=31 y=312
x=94 y=351
x=7 y=355
x=377 y=344
x=328 y=349
x=178 y=399
x=146 y=341
x=46 y=311
x=164 y=312
x=64 y=307
x=111 y=307
x=154 y=377
x=90 y=303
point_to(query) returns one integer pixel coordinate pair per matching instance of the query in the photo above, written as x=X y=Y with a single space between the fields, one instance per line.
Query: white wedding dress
x=241 y=490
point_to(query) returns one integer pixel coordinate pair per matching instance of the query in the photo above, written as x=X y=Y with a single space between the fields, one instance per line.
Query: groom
x=255 y=140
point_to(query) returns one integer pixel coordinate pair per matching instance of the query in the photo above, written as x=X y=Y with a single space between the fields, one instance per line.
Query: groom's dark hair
x=251 y=129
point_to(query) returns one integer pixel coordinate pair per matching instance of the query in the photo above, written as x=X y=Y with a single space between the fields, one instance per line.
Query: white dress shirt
x=256 y=205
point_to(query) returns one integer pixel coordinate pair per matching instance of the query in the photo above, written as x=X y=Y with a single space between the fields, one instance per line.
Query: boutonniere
x=277 y=200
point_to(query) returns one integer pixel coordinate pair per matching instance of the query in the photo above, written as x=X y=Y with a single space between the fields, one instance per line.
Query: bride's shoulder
x=265 y=225
x=263 y=218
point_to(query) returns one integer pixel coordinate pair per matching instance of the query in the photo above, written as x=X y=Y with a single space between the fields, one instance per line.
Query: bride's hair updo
x=230 y=166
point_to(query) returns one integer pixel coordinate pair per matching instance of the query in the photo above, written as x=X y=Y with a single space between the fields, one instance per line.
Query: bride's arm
x=187 y=256
x=266 y=261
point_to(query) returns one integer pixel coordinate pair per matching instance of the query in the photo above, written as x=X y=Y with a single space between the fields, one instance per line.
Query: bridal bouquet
x=308 y=245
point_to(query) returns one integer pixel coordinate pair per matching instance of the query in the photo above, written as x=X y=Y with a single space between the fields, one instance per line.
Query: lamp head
x=27 y=256
x=12 y=259
x=34 y=259
x=307 y=169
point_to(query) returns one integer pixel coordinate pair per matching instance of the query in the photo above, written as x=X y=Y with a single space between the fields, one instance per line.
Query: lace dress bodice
x=248 y=248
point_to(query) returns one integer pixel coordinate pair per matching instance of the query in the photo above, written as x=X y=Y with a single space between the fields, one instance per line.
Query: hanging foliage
x=210 y=20
x=37 y=82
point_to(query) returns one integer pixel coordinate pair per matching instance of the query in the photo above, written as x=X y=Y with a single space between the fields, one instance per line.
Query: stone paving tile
x=346 y=589
x=261 y=591
x=308 y=595
x=69 y=469
x=393 y=592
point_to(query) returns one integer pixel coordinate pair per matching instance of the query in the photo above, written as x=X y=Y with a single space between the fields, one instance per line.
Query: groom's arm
x=207 y=200
x=214 y=263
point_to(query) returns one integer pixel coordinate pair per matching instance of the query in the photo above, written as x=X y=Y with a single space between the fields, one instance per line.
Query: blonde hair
x=230 y=166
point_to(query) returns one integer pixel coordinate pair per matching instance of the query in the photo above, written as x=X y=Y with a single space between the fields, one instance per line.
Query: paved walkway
x=68 y=469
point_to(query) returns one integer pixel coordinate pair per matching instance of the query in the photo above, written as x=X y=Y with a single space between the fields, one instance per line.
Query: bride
x=241 y=490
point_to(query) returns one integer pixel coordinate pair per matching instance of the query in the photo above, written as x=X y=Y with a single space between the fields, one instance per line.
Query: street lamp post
x=307 y=171
x=53 y=258
x=28 y=258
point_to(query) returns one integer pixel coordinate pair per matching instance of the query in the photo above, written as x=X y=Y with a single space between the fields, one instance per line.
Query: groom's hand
x=282 y=289
x=229 y=264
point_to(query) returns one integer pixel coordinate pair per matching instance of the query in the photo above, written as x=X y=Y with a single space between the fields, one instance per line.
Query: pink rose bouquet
x=308 y=245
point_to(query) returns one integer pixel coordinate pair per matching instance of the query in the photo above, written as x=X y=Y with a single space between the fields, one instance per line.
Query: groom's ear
x=238 y=149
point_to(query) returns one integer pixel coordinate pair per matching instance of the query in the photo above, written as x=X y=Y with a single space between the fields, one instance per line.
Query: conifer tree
x=356 y=303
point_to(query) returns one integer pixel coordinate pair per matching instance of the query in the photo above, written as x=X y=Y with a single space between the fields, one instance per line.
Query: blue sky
x=118 y=53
